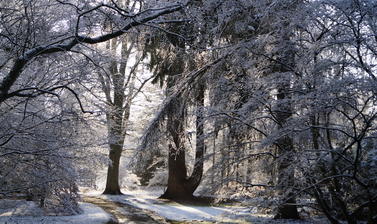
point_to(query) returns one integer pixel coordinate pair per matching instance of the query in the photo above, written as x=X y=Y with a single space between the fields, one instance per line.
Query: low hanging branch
x=67 y=44
x=37 y=92
x=183 y=87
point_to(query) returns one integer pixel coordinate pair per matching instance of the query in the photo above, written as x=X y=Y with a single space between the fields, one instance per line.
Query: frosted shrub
x=159 y=179
x=62 y=200
x=130 y=180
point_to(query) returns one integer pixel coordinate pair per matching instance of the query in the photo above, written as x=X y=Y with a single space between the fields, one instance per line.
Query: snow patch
x=179 y=212
x=27 y=212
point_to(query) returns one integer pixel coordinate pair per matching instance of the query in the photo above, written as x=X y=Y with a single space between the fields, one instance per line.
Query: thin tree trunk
x=286 y=172
x=197 y=173
x=223 y=159
x=213 y=161
x=286 y=177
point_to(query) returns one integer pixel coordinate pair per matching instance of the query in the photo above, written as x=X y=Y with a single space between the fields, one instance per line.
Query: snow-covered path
x=145 y=203
x=174 y=211
x=164 y=211
x=125 y=213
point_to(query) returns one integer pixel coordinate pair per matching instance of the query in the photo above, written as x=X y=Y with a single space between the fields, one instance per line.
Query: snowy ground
x=190 y=213
x=26 y=212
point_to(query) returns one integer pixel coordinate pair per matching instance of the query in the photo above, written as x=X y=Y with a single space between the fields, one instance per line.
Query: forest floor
x=139 y=206
x=144 y=207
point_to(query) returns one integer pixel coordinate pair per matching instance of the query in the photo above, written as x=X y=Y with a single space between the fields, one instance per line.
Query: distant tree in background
x=121 y=85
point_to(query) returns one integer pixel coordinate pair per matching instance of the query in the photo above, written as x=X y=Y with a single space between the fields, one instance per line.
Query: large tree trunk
x=112 y=180
x=116 y=133
x=119 y=111
x=181 y=187
x=177 y=186
x=116 y=137
x=116 y=141
x=114 y=119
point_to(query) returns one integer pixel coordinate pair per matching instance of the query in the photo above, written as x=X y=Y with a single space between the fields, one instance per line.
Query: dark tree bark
x=112 y=179
x=177 y=188
x=180 y=186
x=286 y=177
x=116 y=139
x=119 y=111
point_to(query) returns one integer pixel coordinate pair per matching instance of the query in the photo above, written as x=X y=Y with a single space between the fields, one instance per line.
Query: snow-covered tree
x=43 y=63
x=289 y=81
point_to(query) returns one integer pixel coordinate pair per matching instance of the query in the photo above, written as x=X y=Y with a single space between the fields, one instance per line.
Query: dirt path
x=125 y=213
